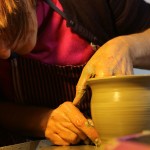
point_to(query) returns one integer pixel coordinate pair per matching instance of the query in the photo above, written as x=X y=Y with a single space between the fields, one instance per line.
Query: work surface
x=45 y=145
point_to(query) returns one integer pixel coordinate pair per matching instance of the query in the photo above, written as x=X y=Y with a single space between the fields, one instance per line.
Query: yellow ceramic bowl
x=120 y=105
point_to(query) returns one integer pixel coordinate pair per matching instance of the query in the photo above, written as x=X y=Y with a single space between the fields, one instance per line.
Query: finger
x=57 y=140
x=66 y=122
x=51 y=129
x=104 y=72
x=77 y=118
x=59 y=115
x=88 y=127
x=54 y=137
x=104 y=69
x=129 y=70
x=74 y=129
x=61 y=123
x=67 y=134
x=81 y=85
x=119 y=71
x=126 y=68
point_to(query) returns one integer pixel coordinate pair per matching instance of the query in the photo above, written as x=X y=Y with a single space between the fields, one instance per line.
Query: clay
x=120 y=105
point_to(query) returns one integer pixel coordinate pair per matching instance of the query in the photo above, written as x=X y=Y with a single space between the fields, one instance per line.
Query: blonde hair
x=14 y=21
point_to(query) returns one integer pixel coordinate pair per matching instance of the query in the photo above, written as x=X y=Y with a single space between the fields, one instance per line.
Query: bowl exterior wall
x=120 y=107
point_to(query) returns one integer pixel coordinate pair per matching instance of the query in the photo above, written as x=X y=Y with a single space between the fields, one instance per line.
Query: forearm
x=140 y=49
x=26 y=120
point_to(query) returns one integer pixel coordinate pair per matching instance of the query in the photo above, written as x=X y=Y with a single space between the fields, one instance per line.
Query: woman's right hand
x=67 y=125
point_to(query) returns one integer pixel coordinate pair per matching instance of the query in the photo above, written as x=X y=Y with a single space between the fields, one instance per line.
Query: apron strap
x=50 y=3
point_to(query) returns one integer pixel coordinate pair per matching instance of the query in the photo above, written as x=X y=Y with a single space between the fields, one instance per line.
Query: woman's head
x=18 y=26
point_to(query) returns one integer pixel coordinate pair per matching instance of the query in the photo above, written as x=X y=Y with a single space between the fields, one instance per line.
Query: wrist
x=43 y=122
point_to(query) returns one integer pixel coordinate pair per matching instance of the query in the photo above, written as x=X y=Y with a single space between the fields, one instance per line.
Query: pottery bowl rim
x=117 y=78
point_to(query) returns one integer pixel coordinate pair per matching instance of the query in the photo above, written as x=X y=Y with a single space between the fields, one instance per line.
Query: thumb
x=80 y=91
x=80 y=88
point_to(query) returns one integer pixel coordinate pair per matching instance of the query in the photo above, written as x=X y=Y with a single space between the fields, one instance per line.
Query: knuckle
x=79 y=123
x=54 y=115
x=48 y=134
x=67 y=103
x=74 y=139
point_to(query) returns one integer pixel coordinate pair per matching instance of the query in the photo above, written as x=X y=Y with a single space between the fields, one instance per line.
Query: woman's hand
x=67 y=125
x=112 y=59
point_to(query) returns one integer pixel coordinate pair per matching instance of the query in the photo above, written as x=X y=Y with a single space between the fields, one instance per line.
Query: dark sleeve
x=130 y=16
x=6 y=88
x=1 y=95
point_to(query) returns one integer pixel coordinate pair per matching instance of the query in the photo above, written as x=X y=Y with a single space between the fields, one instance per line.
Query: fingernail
x=97 y=142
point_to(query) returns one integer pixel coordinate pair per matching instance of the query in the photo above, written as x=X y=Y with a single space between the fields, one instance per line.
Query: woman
x=37 y=85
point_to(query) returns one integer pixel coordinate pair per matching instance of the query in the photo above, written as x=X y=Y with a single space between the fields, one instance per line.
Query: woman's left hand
x=67 y=125
x=112 y=59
